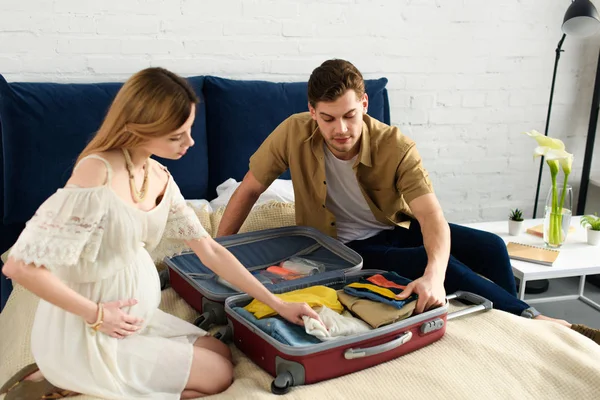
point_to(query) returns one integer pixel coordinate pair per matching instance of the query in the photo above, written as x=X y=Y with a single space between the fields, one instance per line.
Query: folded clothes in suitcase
x=280 y=258
x=297 y=359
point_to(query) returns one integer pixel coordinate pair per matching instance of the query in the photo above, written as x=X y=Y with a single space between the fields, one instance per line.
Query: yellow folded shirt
x=374 y=288
x=314 y=296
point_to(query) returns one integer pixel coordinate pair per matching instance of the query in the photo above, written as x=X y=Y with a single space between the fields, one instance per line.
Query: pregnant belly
x=145 y=285
x=138 y=281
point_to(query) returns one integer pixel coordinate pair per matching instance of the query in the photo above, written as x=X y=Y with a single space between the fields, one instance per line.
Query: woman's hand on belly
x=115 y=322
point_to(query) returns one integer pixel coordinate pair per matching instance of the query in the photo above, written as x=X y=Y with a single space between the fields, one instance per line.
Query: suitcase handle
x=351 y=354
x=481 y=303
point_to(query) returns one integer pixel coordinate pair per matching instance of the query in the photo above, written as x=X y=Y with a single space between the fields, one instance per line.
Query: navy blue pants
x=472 y=252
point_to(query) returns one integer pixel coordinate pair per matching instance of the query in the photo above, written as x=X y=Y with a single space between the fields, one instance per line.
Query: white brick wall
x=466 y=77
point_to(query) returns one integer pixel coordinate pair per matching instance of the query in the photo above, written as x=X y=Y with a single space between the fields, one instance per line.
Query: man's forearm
x=436 y=239
x=240 y=205
x=237 y=211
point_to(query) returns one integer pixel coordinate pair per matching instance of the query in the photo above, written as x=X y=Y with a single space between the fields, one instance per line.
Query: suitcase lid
x=260 y=249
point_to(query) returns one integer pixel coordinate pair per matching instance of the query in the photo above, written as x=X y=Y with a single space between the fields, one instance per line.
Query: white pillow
x=281 y=190
x=200 y=204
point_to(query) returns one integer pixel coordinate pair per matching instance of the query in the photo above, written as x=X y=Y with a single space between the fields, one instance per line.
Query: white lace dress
x=104 y=249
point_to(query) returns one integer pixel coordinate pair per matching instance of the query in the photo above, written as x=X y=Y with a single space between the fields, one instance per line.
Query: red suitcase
x=292 y=366
x=204 y=291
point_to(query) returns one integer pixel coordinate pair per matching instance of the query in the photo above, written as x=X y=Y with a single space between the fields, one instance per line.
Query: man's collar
x=314 y=132
x=364 y=153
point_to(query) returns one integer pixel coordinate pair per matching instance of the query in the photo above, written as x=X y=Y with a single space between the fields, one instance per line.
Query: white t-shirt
x=354 y=218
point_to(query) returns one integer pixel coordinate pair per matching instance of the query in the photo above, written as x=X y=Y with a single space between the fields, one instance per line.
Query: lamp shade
x=581 y=19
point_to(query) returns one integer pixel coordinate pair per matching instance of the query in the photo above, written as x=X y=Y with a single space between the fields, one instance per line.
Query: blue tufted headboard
x=44 y=126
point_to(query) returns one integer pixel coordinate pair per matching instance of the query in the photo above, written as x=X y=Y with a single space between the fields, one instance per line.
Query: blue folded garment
x=368 y=294
x=280 y=329
x=391 y=276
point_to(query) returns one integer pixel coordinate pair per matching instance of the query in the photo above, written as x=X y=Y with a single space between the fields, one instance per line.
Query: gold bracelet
x=99 y=320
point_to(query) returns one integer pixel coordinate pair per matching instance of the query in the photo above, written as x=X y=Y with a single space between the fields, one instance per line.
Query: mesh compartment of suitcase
x=259 y=250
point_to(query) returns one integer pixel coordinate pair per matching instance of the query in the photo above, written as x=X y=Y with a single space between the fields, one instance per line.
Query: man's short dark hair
x=332 y=79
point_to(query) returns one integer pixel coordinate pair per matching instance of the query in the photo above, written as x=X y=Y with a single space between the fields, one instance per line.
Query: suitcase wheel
x=224 y=334
x=282 y=383
x=205 y=320
x=163 y=276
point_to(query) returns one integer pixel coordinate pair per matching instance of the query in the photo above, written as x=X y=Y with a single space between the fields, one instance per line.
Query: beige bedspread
x=488 y=355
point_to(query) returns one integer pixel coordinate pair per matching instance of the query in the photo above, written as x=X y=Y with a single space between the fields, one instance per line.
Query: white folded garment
x=336 y=325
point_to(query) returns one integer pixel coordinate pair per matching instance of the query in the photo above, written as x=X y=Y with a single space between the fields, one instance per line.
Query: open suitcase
x=258 y=250
x=293 y=366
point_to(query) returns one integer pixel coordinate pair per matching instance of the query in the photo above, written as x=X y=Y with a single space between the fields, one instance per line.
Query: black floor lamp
x=589 y=144
x=581 y=20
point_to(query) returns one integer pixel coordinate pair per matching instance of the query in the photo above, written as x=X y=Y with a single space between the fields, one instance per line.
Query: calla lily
x=556 y=157
x=553 y=167
x=552 y=154
x=540 y=151
x=566 y=164
x=545 y=141
x=564 y=159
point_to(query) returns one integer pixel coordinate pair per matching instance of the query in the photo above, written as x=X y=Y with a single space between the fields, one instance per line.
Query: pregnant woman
x=89 y=253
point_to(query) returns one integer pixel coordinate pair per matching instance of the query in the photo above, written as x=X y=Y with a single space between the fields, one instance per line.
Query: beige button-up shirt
x=388 y=169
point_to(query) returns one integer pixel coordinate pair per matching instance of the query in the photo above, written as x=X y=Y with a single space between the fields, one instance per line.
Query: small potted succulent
x=515 y=222
x=592 y=223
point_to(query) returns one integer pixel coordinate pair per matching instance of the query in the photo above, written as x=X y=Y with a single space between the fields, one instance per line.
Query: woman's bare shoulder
x=92 y=171
x=114 y=157
x=159 y=171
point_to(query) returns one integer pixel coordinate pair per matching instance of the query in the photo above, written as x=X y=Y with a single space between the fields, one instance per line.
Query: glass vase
x=557 y=216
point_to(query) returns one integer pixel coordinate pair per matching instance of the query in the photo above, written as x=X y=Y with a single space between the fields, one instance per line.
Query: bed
x=491 y=354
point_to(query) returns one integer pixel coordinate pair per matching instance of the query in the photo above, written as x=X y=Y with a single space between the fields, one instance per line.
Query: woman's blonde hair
x=152 y=103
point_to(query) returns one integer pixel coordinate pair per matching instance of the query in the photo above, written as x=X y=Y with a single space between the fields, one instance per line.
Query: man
x=363 y=182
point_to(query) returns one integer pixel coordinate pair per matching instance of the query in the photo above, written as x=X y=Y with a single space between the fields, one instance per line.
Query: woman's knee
x=215 y=345
x=211 y=373
x=223 y=376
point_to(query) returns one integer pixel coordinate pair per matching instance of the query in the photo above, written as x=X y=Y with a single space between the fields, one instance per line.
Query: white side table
x=576 y=258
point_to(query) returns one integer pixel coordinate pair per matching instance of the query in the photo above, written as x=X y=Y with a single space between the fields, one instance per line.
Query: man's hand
x=431 y=293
